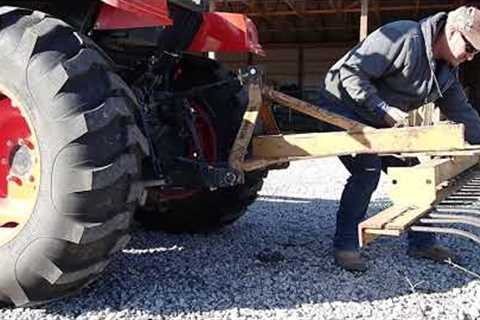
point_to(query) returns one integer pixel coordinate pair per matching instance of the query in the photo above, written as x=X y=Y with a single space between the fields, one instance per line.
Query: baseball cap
x=466 y=19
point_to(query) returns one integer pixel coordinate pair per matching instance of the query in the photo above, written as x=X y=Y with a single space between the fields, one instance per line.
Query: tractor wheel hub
x=22 y=162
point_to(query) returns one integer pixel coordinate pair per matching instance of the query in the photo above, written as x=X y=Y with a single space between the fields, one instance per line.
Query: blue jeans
x=365 y=170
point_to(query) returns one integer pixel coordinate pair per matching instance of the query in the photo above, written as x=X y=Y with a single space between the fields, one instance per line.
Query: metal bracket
x=219 y=177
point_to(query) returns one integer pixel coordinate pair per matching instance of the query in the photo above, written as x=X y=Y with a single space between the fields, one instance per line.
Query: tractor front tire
x=88 y=150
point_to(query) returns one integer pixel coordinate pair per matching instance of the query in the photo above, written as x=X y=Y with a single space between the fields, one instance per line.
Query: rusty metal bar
x=314 y=111
x=244 y=136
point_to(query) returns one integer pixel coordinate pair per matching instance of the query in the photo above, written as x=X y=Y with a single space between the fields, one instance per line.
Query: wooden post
x=301 y=71
x=364 y=20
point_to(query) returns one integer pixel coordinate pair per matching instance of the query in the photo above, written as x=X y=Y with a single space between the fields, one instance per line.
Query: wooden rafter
x=291 y=5
x=326 y=21
x=351 y=10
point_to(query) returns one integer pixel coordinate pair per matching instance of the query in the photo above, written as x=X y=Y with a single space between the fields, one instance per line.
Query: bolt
x=15 y=180
x=26 y=143
x=230 y=178
x=22 y=161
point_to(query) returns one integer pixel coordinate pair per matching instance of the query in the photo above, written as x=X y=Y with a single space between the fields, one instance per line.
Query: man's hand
x=395 y=117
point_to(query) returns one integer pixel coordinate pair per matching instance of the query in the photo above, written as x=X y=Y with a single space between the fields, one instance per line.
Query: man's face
x=461 y=49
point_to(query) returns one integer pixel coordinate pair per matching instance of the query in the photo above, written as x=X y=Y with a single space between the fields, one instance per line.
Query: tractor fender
x=226 y=32
x=129 y=14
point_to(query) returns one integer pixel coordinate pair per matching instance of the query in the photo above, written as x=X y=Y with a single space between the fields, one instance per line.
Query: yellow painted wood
x=407 y=218
x=392 y=221
x=244 y=136
x=316 y=145
x=414 y=190
x=384 y=217
x=385 y=232
x=420 y=185
x=414 y=186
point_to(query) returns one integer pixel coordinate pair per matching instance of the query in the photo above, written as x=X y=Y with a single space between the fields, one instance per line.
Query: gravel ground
x=275 y=263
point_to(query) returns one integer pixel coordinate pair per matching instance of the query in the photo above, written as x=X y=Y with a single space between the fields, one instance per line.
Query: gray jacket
x=394 y=67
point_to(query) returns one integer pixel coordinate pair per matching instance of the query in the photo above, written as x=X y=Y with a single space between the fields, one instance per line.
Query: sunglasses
x=469 y=48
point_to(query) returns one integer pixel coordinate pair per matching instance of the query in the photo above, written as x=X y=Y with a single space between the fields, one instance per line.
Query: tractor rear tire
x=90 y=151
x=206 y=210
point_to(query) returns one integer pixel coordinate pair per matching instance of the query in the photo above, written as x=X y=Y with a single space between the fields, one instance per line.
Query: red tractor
x=103 y=117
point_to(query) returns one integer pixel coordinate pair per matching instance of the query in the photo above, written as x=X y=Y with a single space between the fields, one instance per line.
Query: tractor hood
x=219 y=31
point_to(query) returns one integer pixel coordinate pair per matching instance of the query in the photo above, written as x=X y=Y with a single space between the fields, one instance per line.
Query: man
x=398 y=68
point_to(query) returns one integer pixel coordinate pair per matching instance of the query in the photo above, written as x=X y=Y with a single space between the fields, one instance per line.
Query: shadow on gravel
x=278 y=256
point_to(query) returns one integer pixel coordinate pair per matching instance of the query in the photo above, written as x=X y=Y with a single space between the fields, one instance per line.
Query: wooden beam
x=392 y=221
x=386 y=8
x=395 y=140
x=291 y=5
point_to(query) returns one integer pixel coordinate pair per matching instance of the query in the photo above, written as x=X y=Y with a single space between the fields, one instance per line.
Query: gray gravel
x=275 y=263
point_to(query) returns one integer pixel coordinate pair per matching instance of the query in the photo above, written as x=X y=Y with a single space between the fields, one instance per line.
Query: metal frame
x=357 y=138
x=415 y=190
x=427 y=195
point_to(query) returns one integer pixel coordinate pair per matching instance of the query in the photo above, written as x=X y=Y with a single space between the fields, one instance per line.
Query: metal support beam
x=314 y=111
x=381 y=141
x=244 y=136
x=427 y=179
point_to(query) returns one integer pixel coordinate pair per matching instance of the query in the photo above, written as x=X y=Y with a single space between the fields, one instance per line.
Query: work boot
x=435 y=252
x=350 y=260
